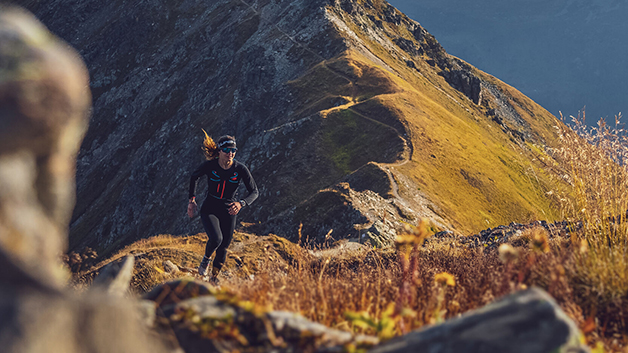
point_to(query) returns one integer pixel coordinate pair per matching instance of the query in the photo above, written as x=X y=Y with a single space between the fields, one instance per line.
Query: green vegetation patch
x=351 y=141
x=320 y=82
x=371 y=177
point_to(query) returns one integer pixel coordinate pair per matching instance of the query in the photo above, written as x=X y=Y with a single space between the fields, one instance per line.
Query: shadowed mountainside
x=349 y=114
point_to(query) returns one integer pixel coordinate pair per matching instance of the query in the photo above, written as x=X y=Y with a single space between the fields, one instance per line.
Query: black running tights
x=219 y=227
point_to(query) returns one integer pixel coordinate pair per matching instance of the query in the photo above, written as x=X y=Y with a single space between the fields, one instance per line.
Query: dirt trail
x=407 y=155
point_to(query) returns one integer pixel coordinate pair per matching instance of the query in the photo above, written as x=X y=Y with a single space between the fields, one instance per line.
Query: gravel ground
x=491 y=238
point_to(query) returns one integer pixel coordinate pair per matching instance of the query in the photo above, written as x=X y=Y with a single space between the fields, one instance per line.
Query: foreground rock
x=207 y=320
x=44 y=103
x=526 y=322
x=43 y=108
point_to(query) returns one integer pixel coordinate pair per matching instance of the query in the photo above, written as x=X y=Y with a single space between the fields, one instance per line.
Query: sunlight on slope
x=478 y=175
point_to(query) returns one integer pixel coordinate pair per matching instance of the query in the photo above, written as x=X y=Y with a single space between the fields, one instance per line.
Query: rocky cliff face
x=350 y=116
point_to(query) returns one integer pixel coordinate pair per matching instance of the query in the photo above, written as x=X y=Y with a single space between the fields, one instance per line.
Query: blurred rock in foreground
x=44 y=104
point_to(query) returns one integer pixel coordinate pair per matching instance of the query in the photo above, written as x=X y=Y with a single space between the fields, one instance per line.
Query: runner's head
x=212 y=150
x=227 y=148
x=226 y=141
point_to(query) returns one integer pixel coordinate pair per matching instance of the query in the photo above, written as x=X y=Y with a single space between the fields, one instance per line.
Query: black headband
x=228 y=142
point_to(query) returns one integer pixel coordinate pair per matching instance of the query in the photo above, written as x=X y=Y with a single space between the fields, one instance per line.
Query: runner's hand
x=234 y=208
x=192 y=208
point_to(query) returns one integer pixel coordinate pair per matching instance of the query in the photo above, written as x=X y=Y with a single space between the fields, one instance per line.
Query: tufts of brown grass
x=390 y=292
x=387 y=293
x=597 y=206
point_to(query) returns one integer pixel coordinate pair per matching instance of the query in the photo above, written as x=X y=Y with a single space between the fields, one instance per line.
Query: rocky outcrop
x=42 y=119
x=363 y=208
x=499 y=106
x=206 y=320
x=43 y=114
x=491 y=238
x=528 y=321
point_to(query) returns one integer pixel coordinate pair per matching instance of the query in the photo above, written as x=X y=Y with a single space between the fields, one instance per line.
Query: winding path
x=408 y=150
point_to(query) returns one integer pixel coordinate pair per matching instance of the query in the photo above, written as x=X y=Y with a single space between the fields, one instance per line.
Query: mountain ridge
x=314 y=92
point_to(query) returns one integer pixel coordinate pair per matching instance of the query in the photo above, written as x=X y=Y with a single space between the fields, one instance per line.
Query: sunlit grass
x=596 y=204
x=598 y=176
x=387 y=293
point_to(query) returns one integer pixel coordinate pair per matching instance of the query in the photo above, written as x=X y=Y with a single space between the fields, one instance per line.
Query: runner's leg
x=214 y=233
x=227 y=225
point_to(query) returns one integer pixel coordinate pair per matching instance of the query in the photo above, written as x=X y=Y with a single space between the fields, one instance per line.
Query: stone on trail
x=294 y=327
x=178 y=290
x=115 y=278
x=170 y=267
x=528 y=321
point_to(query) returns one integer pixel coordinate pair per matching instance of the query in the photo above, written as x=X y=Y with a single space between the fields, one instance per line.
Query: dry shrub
x=596 y=205
x=390 y=292
x=380 y=292
x=322 y=288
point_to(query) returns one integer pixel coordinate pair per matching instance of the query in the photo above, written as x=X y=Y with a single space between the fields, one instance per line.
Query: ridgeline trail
x=352 y=100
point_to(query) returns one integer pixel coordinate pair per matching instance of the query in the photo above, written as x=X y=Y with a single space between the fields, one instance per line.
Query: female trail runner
x=219 y=210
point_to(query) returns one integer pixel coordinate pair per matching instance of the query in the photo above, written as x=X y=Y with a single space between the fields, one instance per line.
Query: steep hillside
x=350 y=115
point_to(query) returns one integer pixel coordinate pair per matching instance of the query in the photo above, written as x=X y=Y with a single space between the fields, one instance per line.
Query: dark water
x=564 y=54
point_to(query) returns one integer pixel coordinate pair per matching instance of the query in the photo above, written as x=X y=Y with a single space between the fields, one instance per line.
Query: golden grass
x=596 y=203
x=150 y=255
x=470 y=168
x=390 y=292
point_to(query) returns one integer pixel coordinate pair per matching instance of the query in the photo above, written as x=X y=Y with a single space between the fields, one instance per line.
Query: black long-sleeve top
x=223 y=183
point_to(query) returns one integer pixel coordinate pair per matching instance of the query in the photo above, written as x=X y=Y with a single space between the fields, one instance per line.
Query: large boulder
x=44 y=104
x=528 y=321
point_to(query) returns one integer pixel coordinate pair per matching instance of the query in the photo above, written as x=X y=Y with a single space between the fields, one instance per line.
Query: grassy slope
x=325 y=285
x=477 y=174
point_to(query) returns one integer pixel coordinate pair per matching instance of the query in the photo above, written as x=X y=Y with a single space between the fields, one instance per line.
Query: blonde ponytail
x=210 y=150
